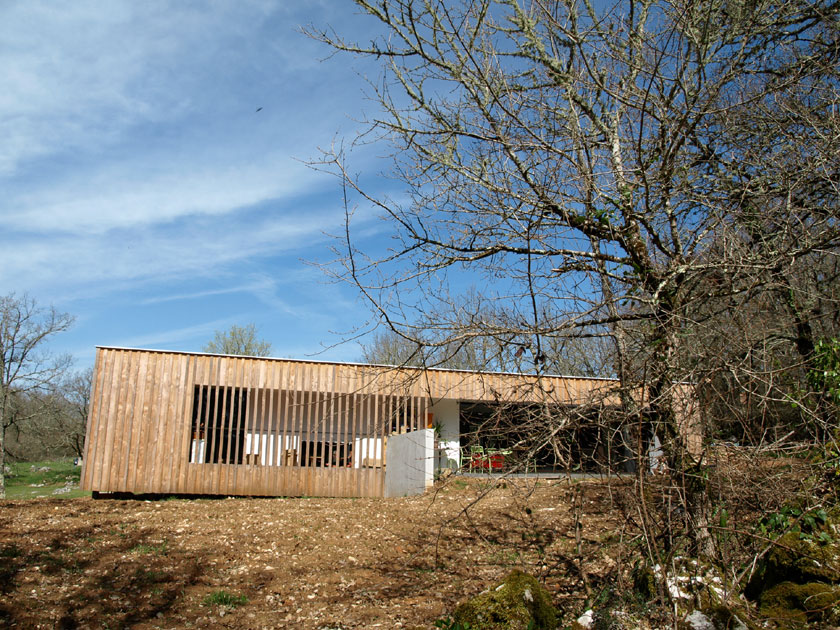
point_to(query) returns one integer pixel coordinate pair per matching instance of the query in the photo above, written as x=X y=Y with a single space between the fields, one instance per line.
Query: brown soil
x=301 y=563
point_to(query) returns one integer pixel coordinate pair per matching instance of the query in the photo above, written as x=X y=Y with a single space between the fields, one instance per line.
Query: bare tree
x=593 y=167
x=74 y=394
x=239 y=340
x=26 y=368
x=386 y=347
x=568 y=355
x=50 y=422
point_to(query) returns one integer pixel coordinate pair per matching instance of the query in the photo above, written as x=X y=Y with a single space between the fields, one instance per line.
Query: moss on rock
x=800 y=605
x=519 y=603
x=797 y=584
x=803 y=560
x=644 y=581
x=798 y=560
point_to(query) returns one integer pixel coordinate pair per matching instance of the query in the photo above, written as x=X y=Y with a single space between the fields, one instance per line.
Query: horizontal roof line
x=356 y=364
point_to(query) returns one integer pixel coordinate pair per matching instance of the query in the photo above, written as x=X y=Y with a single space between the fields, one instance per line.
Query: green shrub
x=223 y=598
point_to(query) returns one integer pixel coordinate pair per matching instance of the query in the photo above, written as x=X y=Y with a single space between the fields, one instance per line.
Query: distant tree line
x=49 y=423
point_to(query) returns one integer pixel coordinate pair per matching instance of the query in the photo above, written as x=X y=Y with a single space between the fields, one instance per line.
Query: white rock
x=586 y=619
x=698 y=621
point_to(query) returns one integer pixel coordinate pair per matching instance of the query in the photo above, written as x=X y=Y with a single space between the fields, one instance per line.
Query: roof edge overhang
x=359 y=364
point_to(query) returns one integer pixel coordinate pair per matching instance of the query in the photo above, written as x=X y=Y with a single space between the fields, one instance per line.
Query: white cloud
x=134 y=161
x=121 y=197
x=197 y=295
x=77 y=76
x=161 y=339
x=194 y=245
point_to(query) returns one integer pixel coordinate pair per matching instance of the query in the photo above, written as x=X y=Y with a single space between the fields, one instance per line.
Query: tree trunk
x=685 y=468
x=3 y=403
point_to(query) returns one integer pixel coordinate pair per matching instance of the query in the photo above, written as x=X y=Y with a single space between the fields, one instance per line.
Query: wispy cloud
x=140 y=183
x=192 y=245
x=197 y=295
x=123 y=198
x=161 y=339
x=77 y=76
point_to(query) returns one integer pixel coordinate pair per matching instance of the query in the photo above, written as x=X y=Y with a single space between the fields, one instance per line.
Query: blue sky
x=145 y=194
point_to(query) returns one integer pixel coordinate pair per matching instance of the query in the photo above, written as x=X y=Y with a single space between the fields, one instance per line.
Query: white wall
x=197 y=452
x=367 y=448
x=267 y=446
x=410 y=468
x=448 y=415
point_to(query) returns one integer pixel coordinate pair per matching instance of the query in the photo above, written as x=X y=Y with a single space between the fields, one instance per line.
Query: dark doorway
x=544 y=439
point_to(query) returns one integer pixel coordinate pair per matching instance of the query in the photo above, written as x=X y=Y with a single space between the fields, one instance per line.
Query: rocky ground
x=296 y=563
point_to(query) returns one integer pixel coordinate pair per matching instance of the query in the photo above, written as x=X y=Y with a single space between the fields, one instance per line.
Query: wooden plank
x=224 y=428
x=253 y=422
x=115 y=412
x=146 y=392
x=283 y=428
x=169 y=456
x=283 y=380
x=114 y=409
x=221 y=473
x=205 y=482
x=123 y=424
x=291 y=454
x=307 y=404
x=358 y=418
x=344 y=419
x=334 y=428
x=91 y=420
x=252 y=427
x=182 y=446
x=230 y=399
x=370 y=432
x=208 y=393
x=329 y=422
x=167 y=448
x=305 y=420
x=310 y=409
x=265 y=402
x=268 y=418
x=238 y=392
x=271 y=422
x=161 y=428
x=199 y=414
x=148 y=434
x=337 y=479
x=139 y=416
x=217 y=413
x=241 y=421
x=101 y=417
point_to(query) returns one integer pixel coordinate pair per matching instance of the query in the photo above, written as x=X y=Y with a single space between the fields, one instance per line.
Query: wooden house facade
x=191 y=423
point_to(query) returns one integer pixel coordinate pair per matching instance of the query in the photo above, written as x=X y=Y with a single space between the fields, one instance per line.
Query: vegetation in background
x=27 y=370
x=239 y=340
x=50 y=478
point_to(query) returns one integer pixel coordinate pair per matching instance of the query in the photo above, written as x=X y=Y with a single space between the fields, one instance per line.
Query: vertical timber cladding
x=188 y=423
x=167 y=422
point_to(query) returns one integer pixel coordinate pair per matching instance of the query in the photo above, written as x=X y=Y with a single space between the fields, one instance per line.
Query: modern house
x=191 y=423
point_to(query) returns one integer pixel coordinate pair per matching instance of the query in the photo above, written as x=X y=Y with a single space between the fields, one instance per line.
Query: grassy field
x=35 y=480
